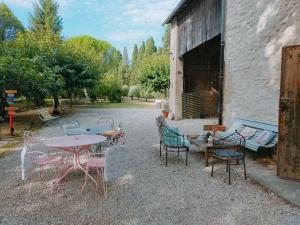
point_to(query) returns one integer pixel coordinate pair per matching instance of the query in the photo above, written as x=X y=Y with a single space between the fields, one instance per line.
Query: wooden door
x=289 y=115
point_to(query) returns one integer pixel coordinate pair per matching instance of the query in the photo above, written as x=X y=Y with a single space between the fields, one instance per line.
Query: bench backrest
x=44 y=114
x=261 y=126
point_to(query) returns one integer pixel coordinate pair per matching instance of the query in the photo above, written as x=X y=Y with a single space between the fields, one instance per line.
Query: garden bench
x=45 y=116
x=251 y=143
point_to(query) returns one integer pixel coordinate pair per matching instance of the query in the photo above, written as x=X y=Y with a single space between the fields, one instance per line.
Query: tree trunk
x=132 y=97
x=56 y=105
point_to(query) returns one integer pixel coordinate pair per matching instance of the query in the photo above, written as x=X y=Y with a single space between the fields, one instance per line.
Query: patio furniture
x=160 y=120
x=45 y=116
x=70 y=125
x=203 y=146
x=254 y=143
x=109 y=167
x=229 y=149
x=173 y=141
x=75 y=145
x=106 y=121
x=35 y=157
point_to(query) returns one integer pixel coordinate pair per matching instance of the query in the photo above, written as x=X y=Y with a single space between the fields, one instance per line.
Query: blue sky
x=121 y=22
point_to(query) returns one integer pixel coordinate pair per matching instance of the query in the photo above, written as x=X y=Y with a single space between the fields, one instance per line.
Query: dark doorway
x=201 y=80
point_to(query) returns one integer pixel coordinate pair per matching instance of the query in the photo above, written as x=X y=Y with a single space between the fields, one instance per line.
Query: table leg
x=206 y=157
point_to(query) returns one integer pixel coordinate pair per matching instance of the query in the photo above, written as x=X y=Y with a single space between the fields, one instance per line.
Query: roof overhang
x=175 y=12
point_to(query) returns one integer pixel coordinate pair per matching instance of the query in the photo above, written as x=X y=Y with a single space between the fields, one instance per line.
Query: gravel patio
x=150 y=193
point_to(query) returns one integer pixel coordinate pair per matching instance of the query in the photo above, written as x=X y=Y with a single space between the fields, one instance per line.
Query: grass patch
x=124 y=104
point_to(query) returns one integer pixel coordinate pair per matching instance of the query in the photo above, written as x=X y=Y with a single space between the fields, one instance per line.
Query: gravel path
x=150 y=193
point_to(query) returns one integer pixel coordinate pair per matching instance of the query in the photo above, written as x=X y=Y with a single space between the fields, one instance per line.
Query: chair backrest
x=106 y=121
x=45 y=114
x=70 y=124
x=171 y=136
x=28 y=138
x=160 y=122
x=115 y=162
x=232 y=139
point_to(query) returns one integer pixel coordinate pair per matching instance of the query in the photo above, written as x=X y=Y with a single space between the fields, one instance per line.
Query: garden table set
x=79 y=142
x=76 y=145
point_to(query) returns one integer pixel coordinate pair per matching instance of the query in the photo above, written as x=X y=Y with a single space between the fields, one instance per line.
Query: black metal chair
x=229 y=149
x=172 y=139
x=160 y=120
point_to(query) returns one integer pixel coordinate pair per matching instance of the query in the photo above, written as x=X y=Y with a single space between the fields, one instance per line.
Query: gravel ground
x=150 y=193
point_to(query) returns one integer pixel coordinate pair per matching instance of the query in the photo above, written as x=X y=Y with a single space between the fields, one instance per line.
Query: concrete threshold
x=287 y=189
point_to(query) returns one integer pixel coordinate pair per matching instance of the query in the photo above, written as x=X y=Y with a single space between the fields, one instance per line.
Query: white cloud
x=148 y=11
x=20 y=3
x=128 y=36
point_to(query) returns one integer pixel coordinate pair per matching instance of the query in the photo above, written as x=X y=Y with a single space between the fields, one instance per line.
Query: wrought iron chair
x=172 y=139
x=109 y=166
x=37 y=157
x=106 y=121
x=160 y=120
x=70 y=124
x=229 y=149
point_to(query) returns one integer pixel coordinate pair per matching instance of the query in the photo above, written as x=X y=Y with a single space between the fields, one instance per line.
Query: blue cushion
x=228 y=154
x=172 y=138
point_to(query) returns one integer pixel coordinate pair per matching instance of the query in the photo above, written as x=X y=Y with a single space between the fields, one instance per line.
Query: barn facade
x=226 y=57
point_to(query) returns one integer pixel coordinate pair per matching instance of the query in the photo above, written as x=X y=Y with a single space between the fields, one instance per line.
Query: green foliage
x=125 y=90
x=134 y=91
x=111 y=86
x=9 y=24
x=125 y=59
x=167 y=40
x=150 y=47
x=135 y=55
x=142 y=50
x=154 y=73
x=45 y=17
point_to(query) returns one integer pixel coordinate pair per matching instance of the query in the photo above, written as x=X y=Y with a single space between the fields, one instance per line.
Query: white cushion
x=248 y=132
x=236 y=126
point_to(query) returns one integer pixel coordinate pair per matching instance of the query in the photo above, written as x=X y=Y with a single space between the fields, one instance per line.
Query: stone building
x=242 y=40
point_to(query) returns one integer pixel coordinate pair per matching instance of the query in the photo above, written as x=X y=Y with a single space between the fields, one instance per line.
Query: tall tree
x=125 y=59
x=150 y=47
x=142 y=50
x=9 y=24
x=135 y=55
x=47 y=24
x=167 y=40
x=45 y=17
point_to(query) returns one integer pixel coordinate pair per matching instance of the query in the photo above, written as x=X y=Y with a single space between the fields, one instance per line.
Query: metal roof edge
x=174 y=12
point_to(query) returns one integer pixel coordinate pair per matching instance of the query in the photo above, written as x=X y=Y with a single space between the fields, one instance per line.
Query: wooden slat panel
x=198 y=23
x=289 y=115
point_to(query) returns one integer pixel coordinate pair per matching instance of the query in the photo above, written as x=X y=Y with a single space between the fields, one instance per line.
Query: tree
x=125 y=59
x=45 y=17
x=135 y=55
x=167 y=40
x=142 y=50
x=9 y=24
x=154 y=73
x=150 y=47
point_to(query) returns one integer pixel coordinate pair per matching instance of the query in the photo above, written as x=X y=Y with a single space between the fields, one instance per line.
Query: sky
x=120 y=22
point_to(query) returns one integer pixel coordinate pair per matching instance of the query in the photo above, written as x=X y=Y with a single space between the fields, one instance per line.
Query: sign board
x=11 y=91
x=11 y=108
x=11 y=95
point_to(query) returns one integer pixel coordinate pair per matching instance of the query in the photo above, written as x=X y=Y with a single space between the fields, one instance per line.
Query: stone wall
x=176 y=70
x=256 y=31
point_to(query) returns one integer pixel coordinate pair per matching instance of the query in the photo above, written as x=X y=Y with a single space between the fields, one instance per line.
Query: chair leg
x=229 y=171
x=166 y=156
x=187 y=155
x=212 y=167
x=86 y=176
x=178 y=151
x=227 y=166
x=245 y=169
x=159 y=149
